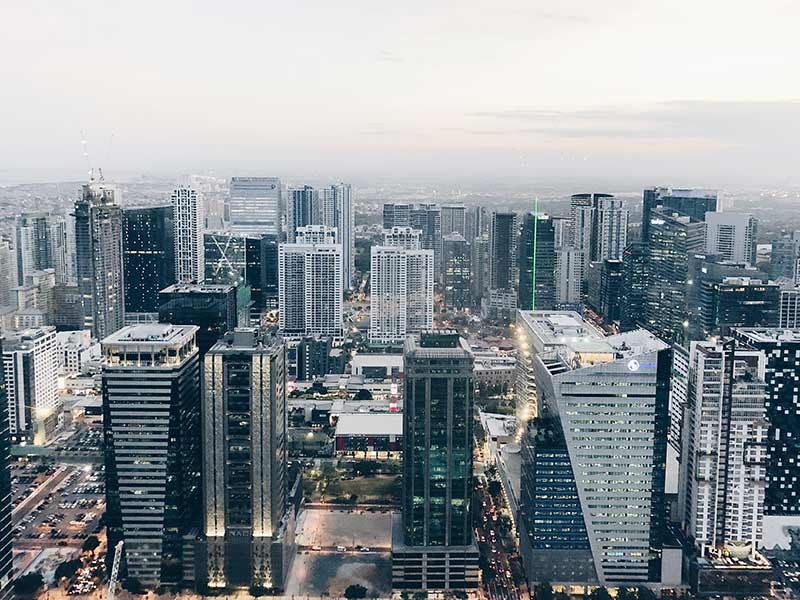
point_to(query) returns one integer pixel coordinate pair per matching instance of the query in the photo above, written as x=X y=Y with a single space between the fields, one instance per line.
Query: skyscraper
x=41 y=243
x=789 y=308
x=337 y=211
x=785 y=257
x=148 y=256
x=672 y=240
x=732 y=236
x=593 y=459
x=782 y=375
x=8 y=272
x=694 y=203
x=255 y=205
x=503 y=251
x=98 y=258
x=401 y=292
x=605 y=290
x=213 y=308
x=151 y=425
x=734 y=302
x=6 y=525
x=723 y=468
x=403 y=237
x=454 y=219
x=310 y=290
x=537 y=264
x=304 y=209
x=432 y=543
x=244 y=424
x=480 y=268
x=30 y=359
x=396 y=215
x=188 y=219
x=456 y=272
x=316 y=234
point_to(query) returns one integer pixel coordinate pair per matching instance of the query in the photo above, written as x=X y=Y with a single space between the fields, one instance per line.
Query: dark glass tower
x=456 y=274
x=6 y=535
x=690 y=202
x=148 y=256
x=537 y=264
x=503 y=251
x=634 y=287
x=433 y=545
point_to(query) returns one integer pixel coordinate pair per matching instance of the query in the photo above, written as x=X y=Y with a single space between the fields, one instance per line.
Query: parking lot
x=353 y=529
x=329 y=573
x=59 y=506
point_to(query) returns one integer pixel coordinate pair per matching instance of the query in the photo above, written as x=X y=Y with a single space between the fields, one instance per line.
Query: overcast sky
x=698 y=91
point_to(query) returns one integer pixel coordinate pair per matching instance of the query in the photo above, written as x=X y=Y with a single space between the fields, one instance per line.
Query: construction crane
x=112 y=580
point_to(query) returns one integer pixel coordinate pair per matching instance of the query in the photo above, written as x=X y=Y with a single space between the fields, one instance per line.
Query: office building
x=782 y=375
x=454 y=219
x=313 y=358
x=480 y=268
x=734 y=302
x=310 y=290
x=785 y=256
x=672 y=240
x=477 y=222
x=8 y=272
x=610 y=228
x=316 y=234
x=503 y=239
x=396 y=215
x=605 y=290
x=432 y=542
x=153 y=460
x=569 y=278
x=213 y=308
x=6 y=506
x=732 y=236
x=592 y=508
x=456 y=272
x=188 y=217
x=401 y=293
x=148 y=256
x=693 y=203
x=255 y=205
x=403 y=237
x=789 y=316
x=725 y=446
x=41 y=243
x=30 y=358
x=304 y=209
x=425 y=218
x=248 y=531
x=36 y=294
x=98 y=259
x=337 y=211
x=537 y=264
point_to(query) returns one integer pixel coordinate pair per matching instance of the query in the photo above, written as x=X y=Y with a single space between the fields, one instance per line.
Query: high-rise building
x=30 y=359
x=693 y=203
x=41 y=243
x=477 y=222
x=98 y=259
x=148 y=256
x=8 y=272
x=456 y=272
x=432 y=542
x=592 y=507
x=396 y=215
x=304 y=209
x=789 y=317
x=732 y=236
x=255 y=205
x=605 y=289
x=316 y=234
x=503 y=251
x=734 y=302
x=537 y=264
x=403 y=237
x=247 y=526
x=672 y=240
x=188 y=220
x=213 y=308
x=427 y=218
x=6 y=524
x=480 y=268
x=782 y=375
x=725 y=445
x=785 y=257
x=568 y=278
x=151 y=425
x=401 y=293
x=454 y=219
x=310 y=290
x=337 y=211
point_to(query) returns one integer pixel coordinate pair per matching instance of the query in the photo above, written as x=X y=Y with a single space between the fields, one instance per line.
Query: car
x=341 y=548
x=365 y=549
x=316 y=548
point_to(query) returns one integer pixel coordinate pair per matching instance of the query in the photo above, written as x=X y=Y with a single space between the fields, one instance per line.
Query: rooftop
x=767 y=334
x=197 y=288
x=370 y=424
x=152 y=334
x=557 y=328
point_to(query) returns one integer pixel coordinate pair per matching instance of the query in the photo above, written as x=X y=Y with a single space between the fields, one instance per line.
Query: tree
x=645 y=593
x=90 y=544
x=355 y=591
x=133 y=585
x=562 y=595
x=420 y=595
x=600 y=593
x=367 y=468
x=495 y=487
x=28 y=584
x=67 y=568
x=543 y=591
x=363 y=395
x=625 y=593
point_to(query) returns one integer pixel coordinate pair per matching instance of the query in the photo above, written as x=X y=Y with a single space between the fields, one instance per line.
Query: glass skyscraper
x=148 y=256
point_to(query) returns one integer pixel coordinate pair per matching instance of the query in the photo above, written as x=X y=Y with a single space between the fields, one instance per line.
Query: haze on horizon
x=705 y=91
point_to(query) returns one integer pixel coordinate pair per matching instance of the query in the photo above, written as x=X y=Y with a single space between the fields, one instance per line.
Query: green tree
x=355 y=592
x=645 y=593
x=625 y=593
x=495 y=487
x=67 y=569
x=543 y=591
x=90 y=544
x=420 y=596
x=28 y=584
x=600 y=593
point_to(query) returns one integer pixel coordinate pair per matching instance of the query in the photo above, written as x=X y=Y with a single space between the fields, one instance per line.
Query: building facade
x=148 y=256
x=188 y=216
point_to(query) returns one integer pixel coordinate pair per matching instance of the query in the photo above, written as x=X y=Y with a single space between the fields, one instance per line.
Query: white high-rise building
x=41 y=243
x=188 y=215
x=610 y=228
x=403 y=237
x=723 y=471
x=30 y=361
x=732 y=236
x=316 y=234
x=401 y=299
x=454 y=219
x=790 y=308
x=310 y=290
x=8 y=272
x=569 y=270
x=345 y=222
x=255 y=205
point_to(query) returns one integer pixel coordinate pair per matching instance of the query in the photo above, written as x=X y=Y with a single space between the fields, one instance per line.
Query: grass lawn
x=380 y=488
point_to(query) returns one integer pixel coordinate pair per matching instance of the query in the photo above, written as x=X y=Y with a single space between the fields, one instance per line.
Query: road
x=490 y=541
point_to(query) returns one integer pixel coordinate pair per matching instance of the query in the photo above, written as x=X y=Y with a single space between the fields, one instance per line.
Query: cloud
x=387 y=56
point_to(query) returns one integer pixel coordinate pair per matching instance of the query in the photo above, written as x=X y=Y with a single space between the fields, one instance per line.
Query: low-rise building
x=369 y=435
